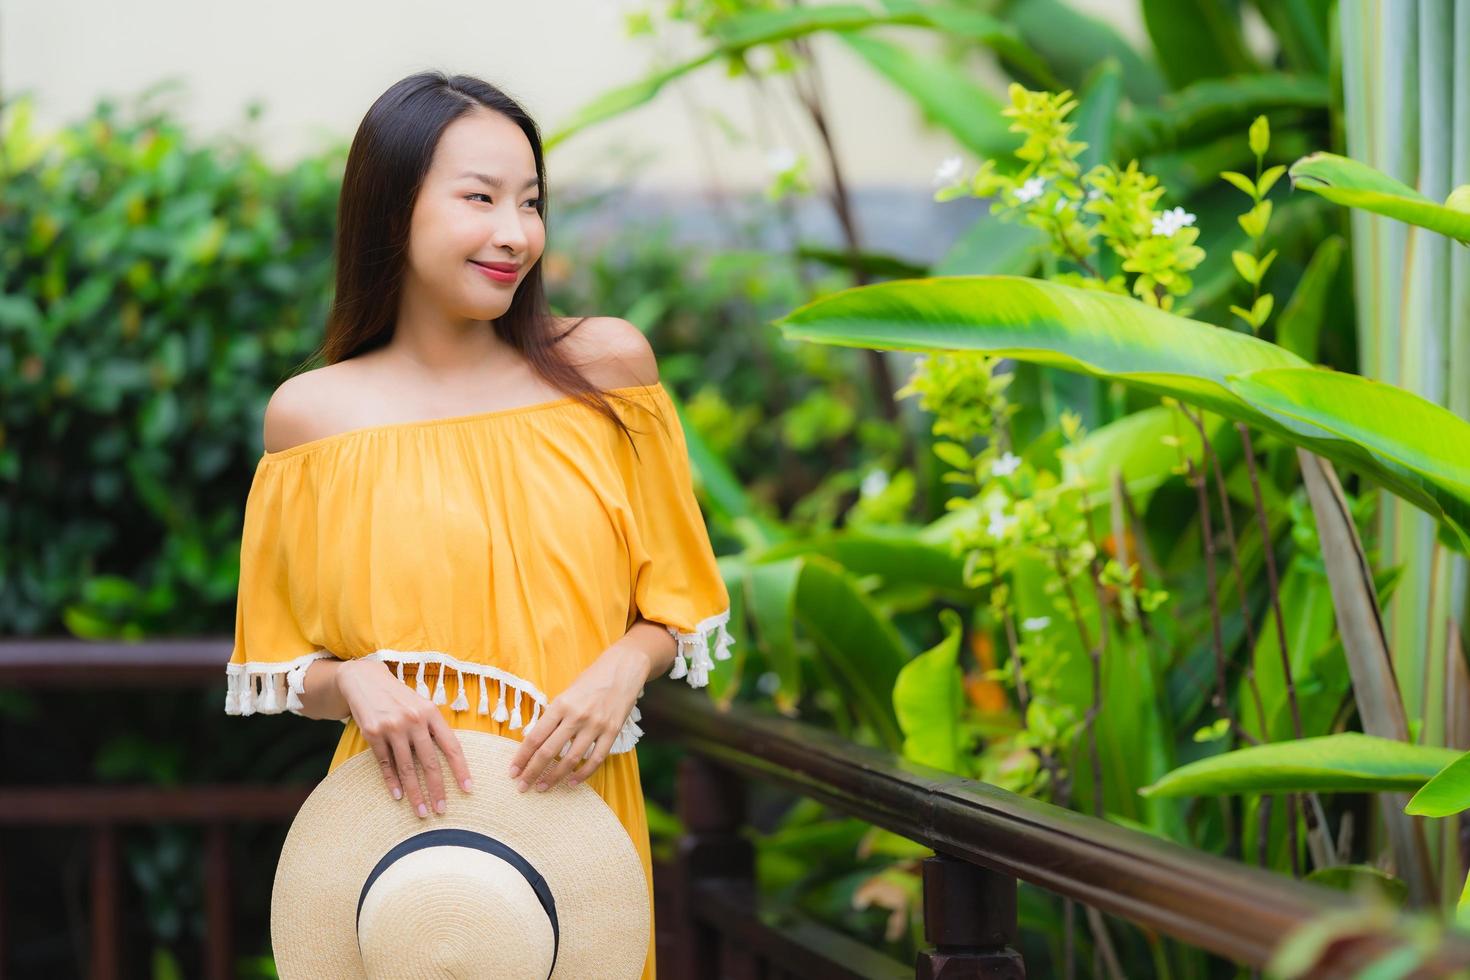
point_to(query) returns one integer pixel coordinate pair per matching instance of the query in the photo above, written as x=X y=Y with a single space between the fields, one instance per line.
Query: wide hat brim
x=568 y=833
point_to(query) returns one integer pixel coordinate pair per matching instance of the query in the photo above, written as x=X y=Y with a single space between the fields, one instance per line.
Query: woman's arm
x=654 y=642
x=321 y=697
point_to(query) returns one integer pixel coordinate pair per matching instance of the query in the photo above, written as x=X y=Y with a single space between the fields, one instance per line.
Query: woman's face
x=479 y=205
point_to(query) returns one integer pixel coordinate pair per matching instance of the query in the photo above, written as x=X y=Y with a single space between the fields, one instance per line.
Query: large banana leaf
x=1197 y=39
x=945 y=93
x=1117 y=337
x=1217 y=107
x=732 y=35
x=863 y=649
x=1073 y=43
x=1348 y=762
x=1347 y=181
x=1394 y=424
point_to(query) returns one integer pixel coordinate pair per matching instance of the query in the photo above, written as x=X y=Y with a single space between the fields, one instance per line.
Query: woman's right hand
x=397 y=721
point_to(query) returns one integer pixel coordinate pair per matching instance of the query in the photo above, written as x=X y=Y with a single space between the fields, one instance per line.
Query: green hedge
x=154 y=293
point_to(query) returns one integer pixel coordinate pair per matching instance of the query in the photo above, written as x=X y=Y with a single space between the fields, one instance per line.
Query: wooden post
x=219 y=953
x=711 y=805
x=105 y=947
x=970 y=919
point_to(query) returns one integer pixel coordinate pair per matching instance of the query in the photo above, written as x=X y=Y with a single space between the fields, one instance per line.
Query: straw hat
x=505 y=884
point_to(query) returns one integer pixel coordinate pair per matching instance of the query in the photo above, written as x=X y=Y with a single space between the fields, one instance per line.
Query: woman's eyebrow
x=495 y=182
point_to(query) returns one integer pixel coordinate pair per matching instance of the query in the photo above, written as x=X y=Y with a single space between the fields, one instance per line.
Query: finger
x=552 y=741
x=407 y=775
x=550 y=717
x=384 y=755
x=599 y=755
x=579 y=748
x=428 y=753
x=449 y=744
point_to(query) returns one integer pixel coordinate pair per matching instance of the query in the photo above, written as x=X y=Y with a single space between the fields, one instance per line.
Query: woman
x=472 y=505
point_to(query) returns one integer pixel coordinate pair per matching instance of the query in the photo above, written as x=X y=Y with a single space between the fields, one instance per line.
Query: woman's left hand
x=593 y=707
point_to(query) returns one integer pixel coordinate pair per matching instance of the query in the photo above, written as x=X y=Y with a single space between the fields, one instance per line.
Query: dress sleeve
x=676 y=580
x=266 y=672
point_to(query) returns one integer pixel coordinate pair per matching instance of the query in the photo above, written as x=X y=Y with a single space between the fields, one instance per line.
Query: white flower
x=1171 y=221
x=781 y=159
x=874 y=483
x=1035 y=623
x=1093 y=193
x=768 y=683
x=948 y=170
x=1000 y=524
x=1006 y=465
x=1031 y=189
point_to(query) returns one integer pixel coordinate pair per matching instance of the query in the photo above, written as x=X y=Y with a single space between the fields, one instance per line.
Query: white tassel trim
x=266 y=687
x=696 y=644
x=626 y=738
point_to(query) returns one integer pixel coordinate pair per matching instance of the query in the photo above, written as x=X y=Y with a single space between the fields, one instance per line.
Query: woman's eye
x=534 y=202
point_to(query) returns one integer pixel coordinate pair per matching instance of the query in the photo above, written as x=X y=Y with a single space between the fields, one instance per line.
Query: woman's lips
x=495 y=275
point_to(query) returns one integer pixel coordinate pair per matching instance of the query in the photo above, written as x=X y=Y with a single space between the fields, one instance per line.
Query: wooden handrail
x=1235 y=910
x=1229 y=908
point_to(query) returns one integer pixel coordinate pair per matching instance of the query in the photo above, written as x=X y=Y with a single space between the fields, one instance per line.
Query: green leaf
x=1254 y=221
x=1260 y=136
x=1097 y=113
x=1073 y=44
x=1300 y=322
x=1141 y=447
x=1346 y=181
x=945 y=94
x=1243 y=182
x=1245 y=264
x=1426 y=443
x=1346 y=762
x=1124 y=339
x=1262 y=309
x=732 y=35
x=1195 y=39
x=1302 y=27
x=928 y=698
x=1246 y=315
x=1446 y=794
x=1219 y=108
x=992 y=245
x=772 y=588
x=1269 y=178
x=858 y=641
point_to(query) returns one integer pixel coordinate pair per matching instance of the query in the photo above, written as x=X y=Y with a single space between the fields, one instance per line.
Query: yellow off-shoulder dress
x=488 y=559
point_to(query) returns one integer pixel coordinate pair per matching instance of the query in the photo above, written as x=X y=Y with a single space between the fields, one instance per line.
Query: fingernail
x=515 y=771
x=521 y=786
x=423 y=810
x=439 y=807
x=397 y=793
x=466 y=785
x=540 y=787
x=571 y=780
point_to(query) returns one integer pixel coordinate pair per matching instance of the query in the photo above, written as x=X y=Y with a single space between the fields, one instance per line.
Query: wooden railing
x=711 y=918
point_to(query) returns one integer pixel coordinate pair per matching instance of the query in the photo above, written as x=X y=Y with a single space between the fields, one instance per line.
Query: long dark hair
x=386 y=164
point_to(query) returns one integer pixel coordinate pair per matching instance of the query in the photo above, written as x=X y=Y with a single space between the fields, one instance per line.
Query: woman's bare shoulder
x=611 y=351
x=312 y=405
